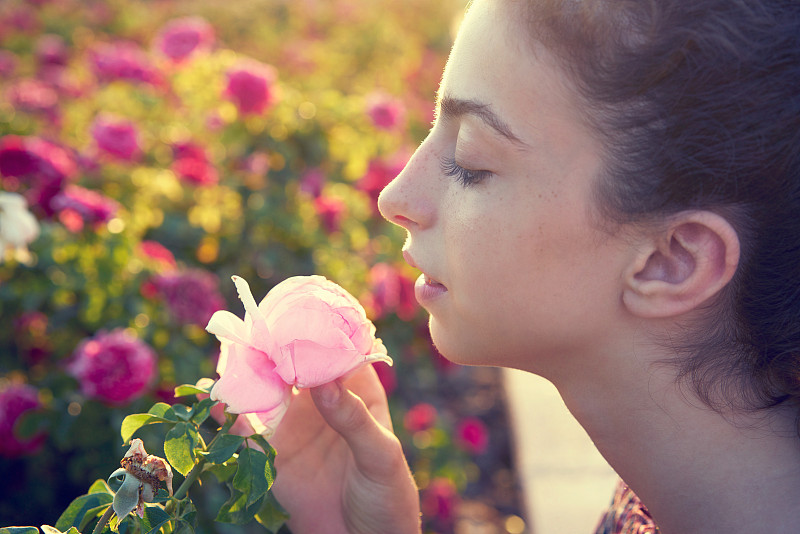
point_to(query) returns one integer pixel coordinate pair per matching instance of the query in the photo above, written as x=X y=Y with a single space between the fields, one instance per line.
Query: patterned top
x=626 y=515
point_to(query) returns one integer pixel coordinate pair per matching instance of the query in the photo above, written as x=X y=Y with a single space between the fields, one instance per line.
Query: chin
x=459 y=350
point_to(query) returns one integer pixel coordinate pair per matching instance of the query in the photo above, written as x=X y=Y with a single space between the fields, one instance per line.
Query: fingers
x=376 y=451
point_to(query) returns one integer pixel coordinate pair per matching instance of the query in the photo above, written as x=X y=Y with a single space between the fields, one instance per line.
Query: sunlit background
x=162 y=146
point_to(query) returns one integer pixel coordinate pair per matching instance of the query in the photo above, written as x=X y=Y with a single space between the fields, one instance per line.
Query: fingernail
x=330 y=393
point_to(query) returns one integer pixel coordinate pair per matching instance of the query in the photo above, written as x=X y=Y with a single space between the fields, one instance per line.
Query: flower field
x=151 y=149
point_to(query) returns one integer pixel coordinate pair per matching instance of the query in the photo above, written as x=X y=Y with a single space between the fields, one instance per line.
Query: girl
x=608 y=198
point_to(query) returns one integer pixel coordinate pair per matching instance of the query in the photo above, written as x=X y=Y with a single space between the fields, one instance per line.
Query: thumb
x=376 y=450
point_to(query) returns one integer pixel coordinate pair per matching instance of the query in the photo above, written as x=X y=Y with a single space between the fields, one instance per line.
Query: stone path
x=566 y=483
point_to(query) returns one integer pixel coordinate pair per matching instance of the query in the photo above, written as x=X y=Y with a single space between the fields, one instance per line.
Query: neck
x=695 y=469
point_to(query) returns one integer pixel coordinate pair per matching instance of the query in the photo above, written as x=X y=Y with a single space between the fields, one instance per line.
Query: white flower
x=18 y=226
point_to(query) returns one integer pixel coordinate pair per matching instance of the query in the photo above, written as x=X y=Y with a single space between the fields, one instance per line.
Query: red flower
x=113 y=367
x=439 y=500
x=387 y=376
x=473 y=435
x=117 y=137
x=379 y=174
x=420 y=417
x=391 y=291
x=251 y=87
x=157 y=252
x=15 y=401
x=181 y=38
x=193 y=165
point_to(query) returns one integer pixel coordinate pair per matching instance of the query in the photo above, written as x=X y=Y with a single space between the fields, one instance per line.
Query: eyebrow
x=451 y=108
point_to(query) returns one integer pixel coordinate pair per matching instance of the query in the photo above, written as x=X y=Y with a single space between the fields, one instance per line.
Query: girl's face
x=497 y=202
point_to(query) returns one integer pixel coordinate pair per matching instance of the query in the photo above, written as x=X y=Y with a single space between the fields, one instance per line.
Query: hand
x=340 y=469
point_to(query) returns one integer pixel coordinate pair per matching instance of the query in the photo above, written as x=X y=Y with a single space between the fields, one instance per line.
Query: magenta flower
x=330 y=211
x=113 y=367
x=36 y=168
x=379 y=174
x=117 y=137
x=251 y=87
x=123 y=61
x=192 y=296
x=79 y=207
x=182 y=38
x=193 y=165
x=306 y=332
x=473 y=435
x=158 y=253
x=385 y=111
x=15 y=401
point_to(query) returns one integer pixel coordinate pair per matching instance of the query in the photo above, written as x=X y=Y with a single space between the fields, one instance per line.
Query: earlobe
x=682 y=266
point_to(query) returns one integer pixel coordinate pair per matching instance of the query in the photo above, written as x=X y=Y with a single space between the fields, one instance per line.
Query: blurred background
x=161 y=146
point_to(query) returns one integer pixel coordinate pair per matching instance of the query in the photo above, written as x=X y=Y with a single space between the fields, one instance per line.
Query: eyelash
x=465 y=177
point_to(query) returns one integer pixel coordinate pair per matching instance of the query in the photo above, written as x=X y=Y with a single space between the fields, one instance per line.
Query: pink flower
x=52 y=50
x=391 y=291
x=330 y=211
x=91 y=208
x=386 y=112
x=8 y=63
x=387 y=376
x=33 y=96
x=192 y=165
x=15 y=401
x=113 y=367
x=192 y=296
x=306 y=332
x=472 y=435
x=182 y=38
x=36 y=168
x=123 y=61
x=420 y=417
x=117 y=137
x=251 y=87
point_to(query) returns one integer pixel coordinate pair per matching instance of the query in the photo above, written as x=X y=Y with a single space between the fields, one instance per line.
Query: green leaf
x=20 y=530
x=272 y=515
x=179 y=447
x=250 y=477
x=224 y=448
x=269 y=470
x=100 y=486
x=182 y=411
x=223 y=472
x=73 y=515
x=236 y=510
x=201 y=411
x=91 y=514
x=154 y=518
x=160 y=413
x=190 y=389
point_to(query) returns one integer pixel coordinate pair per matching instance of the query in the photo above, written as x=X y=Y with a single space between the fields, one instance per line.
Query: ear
x=683 y=266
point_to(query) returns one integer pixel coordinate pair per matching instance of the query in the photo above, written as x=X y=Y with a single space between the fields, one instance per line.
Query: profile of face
x=497 y=203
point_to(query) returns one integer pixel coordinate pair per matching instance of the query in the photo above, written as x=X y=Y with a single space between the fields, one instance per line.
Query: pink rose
x=251 y=87
x=192 y=296
x=181 y=38
x=78 y=206
x=330 y=211
x=123 y=61
x=379 y=174
x=158 y=254
x=473 y=435
x=306 y=332
x=193 y=165
x=386 y=112
x=113 y=367
x=391 y=291
x=420 y=417
x=15 y=401
x=117 y=137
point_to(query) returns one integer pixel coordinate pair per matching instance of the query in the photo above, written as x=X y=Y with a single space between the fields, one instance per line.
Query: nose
x=409 y=200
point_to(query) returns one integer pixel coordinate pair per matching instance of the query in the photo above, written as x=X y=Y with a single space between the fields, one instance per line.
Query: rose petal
x=228 y=327
x=249 y=383
x=315 y=365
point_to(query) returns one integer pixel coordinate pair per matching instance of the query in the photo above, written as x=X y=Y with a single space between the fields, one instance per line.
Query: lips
x=426 y=289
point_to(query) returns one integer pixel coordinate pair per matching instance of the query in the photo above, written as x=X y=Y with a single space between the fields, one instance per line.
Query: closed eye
x=465 y=177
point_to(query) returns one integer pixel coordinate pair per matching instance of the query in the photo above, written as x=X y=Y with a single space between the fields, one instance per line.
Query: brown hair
x=698 y=105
